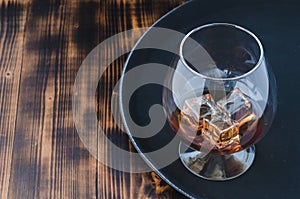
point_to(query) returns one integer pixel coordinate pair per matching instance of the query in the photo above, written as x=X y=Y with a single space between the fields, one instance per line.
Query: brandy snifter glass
x=220 y=99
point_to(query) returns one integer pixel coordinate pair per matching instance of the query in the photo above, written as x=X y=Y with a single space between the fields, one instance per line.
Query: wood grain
x=42 y=45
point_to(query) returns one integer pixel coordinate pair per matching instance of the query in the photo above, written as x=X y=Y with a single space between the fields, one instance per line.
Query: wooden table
x=42 y=45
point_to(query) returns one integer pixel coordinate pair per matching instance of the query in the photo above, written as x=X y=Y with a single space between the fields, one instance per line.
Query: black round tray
x=275 y=172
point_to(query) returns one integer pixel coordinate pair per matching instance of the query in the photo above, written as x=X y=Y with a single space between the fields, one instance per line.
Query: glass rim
x=255 y=67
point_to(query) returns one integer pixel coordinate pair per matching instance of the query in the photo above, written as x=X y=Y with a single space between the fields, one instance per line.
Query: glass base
x=216 y=167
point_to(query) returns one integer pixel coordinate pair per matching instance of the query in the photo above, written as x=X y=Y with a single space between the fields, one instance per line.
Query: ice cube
x=192 y=114
x=238 y=106
x=220 y=130
x=198 y=107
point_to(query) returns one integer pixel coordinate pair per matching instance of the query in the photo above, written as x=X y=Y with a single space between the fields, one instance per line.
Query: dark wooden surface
x=42 y=45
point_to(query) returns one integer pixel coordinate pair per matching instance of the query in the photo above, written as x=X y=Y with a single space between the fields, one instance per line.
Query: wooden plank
x=42 y=46
x=49 y=160
x=12 y=24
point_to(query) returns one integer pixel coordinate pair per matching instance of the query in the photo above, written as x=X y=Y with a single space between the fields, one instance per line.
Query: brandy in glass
x=222 y=99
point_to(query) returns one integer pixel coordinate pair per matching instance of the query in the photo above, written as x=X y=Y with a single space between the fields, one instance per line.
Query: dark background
x=275 y=172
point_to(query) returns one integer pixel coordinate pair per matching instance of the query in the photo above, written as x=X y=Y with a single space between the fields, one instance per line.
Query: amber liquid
x=232 y=136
